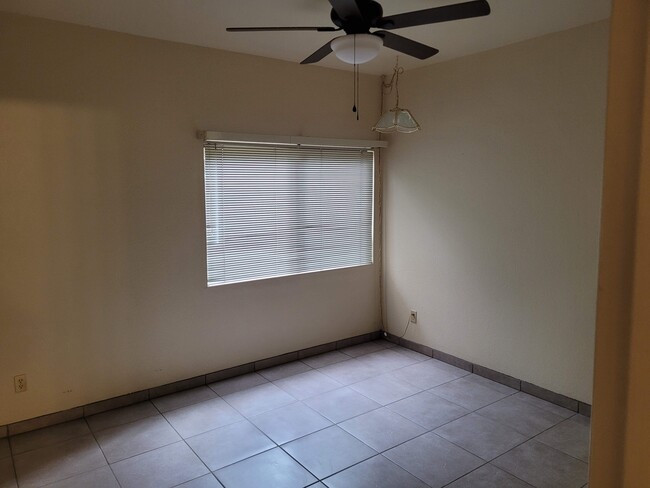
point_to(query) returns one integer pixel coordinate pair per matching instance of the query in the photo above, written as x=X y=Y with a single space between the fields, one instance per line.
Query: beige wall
x=102 y=263
x=492 y=211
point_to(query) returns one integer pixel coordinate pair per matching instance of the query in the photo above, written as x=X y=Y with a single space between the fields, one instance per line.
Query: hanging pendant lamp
x=396 y=119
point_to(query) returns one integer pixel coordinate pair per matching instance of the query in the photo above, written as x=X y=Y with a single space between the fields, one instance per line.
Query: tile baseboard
x=174 y=387
x=515 y=383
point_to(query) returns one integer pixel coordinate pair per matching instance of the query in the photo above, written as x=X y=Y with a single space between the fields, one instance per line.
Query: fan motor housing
x=371 y=13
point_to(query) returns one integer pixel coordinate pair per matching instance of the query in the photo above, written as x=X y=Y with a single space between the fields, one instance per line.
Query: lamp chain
x=394 y=81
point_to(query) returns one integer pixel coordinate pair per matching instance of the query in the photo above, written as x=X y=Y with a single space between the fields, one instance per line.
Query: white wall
x=492 y=210
x=103 y=281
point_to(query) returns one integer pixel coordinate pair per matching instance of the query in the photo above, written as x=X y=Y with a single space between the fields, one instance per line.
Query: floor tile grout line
x=482 y=466
x=186 y=444
x=462 y=406
x=332 y=474
x=143 y=452
x=46 y=445
x=103 y=453
x=182 y=406
x=124 y=423
x=555 y=448
x=13 y=461
x=522 y=433
x=266 y=450
x=302 y=401
x=528 y=440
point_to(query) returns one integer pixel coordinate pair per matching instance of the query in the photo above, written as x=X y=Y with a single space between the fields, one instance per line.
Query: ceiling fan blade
x=476 y=8
x=346 y=9
x=319 y=54
x=274 y=29
x=406 y=46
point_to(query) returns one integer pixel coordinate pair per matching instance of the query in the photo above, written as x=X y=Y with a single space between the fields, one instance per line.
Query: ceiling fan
x=357 y=17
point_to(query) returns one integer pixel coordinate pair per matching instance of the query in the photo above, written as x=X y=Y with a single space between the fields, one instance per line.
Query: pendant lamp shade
x=397 y=120
x=357 y=48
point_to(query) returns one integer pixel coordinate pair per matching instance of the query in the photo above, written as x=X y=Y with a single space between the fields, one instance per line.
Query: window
x=278 y=210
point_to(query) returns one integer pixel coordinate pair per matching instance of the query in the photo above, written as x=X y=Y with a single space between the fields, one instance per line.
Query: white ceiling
x=203 y=23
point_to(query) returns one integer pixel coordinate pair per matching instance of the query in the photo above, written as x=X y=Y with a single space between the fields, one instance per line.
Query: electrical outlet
x=413 y=318
x=20 y=383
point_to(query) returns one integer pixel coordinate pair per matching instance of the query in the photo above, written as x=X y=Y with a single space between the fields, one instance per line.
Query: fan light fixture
x=396 y=119
x=357 y=48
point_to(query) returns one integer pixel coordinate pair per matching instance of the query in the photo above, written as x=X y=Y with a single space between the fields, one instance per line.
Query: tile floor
x=372 y=415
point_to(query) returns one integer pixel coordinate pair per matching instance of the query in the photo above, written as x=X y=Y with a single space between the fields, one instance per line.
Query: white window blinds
x=278 y=210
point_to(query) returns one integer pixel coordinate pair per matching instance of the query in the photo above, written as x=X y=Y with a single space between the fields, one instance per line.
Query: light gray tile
x=412 y=354
x=501 y=388
x=376 y=472
x=162 y=468
x=230 y=444
x=326 y=359
x=45 y=421
x=428 y=410
x=122 y=416
x=228 y=373
x=315 y=350
x=116 y=402
x=550 y=396
x=287 y=423
x=387 y=360
x=183 y=398
x=544 y=405
x=382 y=429
x=481 y=436
x=348 y=372
x=238 y=383
x=488 y=476
x=497 y=377
x=520 y=415
x=453 y=360
x=124 y=441
x=177 y=386
x=259 y=399
x=341 y=404
x=48 y=436
x=430 y=373
x=7 y=477
x=328 y=451
x=284 y=370
x=4 y=448
x=207 y=481
x=362 y=349
x=391 y=339
x=468 y=393
x=543 y=467
x=414 y=346
x=570 y=437
x=385 y=389
x=276 y=360
x=99 y=478
x=271 y=468
x=305 y=385
x=449 y=461
x=353 y=341
x=58 y=462
x=204 y=416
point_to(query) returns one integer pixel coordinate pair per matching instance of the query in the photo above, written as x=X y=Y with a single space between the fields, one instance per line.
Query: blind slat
x=281 y=210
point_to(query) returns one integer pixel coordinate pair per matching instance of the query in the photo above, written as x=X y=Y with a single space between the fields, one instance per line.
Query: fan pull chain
x=356 y=79
x=354 y=76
